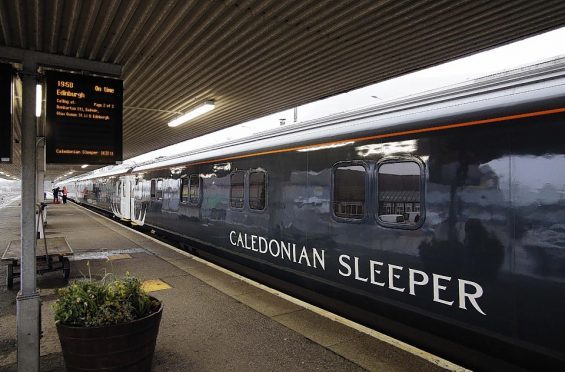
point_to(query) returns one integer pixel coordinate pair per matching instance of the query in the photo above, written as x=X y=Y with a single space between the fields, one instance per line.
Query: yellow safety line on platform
x=121 y=256
x=153 y=285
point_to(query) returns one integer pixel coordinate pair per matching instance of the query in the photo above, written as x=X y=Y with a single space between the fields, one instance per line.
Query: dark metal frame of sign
x=84 y=119
x=6 y=130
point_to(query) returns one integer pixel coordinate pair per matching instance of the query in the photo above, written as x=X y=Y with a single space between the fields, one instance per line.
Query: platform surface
x=212 y=319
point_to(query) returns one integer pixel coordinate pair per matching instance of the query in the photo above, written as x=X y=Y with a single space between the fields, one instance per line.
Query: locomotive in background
x=439 y=219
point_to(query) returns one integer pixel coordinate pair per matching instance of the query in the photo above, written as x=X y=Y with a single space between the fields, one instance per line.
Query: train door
x=126 y=199
x=131 y=189
x=138 y=201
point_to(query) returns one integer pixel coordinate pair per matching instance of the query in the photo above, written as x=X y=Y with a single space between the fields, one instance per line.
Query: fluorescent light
x=84 y=166
x=197 y=111
x=38 y=99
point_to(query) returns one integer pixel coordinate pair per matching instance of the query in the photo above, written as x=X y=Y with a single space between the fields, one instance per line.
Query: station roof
x=256 y=57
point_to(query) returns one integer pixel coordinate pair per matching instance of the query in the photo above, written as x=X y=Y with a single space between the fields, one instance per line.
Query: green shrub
x=91 y=303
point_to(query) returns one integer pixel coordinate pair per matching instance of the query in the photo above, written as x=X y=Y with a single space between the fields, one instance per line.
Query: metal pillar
x=28 y=301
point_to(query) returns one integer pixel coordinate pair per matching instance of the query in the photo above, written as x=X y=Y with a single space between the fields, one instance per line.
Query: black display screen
x=84 y=119
x=6 y=74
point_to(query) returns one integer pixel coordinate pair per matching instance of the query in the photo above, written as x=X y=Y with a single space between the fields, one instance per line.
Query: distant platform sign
x=6 y=140
x=84 y=119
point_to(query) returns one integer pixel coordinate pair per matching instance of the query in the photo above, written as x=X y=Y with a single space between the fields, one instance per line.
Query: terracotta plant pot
x=120 y=347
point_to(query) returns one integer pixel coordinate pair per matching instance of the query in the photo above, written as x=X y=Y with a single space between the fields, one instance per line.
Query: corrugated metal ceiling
x=258 y=57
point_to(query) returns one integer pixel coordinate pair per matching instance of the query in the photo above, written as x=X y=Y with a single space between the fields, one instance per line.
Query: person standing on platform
x=65 y=194
x=56 y=195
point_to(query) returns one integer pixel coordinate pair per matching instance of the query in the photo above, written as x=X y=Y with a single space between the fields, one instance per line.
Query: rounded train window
x=400 y=194
x=194 y=194
x=257 y=190
x=184 y=190
x=349 y=191
x=237 y=183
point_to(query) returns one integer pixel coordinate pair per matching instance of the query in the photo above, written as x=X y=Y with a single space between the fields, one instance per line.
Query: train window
x=236 y=189
x=138 y=189
x=194 y=197
x=257 y=190
x=153 y=188
x=399 y=187
x=159 y=191
x=184 y=190
x=349 y=191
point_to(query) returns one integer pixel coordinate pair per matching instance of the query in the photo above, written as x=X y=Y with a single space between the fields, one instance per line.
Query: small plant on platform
x=96 y=303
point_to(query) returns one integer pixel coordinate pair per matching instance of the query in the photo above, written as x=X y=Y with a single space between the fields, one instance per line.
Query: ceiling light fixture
x=38 y=99
x=197 y=111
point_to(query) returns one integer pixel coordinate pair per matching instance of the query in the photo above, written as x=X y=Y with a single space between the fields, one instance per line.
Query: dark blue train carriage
x=439 y=219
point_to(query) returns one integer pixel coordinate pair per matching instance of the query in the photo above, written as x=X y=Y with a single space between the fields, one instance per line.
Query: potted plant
x=110 y=324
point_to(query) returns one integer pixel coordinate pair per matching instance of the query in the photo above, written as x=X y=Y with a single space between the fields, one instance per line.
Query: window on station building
x=257 y=190
x=194 y=195
x=400 y=196
x=349 y=191
x=237 y=180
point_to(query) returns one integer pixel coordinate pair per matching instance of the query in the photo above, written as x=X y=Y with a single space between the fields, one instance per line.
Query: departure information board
x=6 y=140
x=84 y=119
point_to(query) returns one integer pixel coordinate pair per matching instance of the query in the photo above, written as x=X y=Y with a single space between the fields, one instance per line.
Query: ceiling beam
x=17 y=55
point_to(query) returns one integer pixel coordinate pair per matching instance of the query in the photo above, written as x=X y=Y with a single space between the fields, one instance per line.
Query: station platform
x=213 y=319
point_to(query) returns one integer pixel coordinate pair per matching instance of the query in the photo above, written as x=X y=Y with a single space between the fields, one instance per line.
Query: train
x=437 y=218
